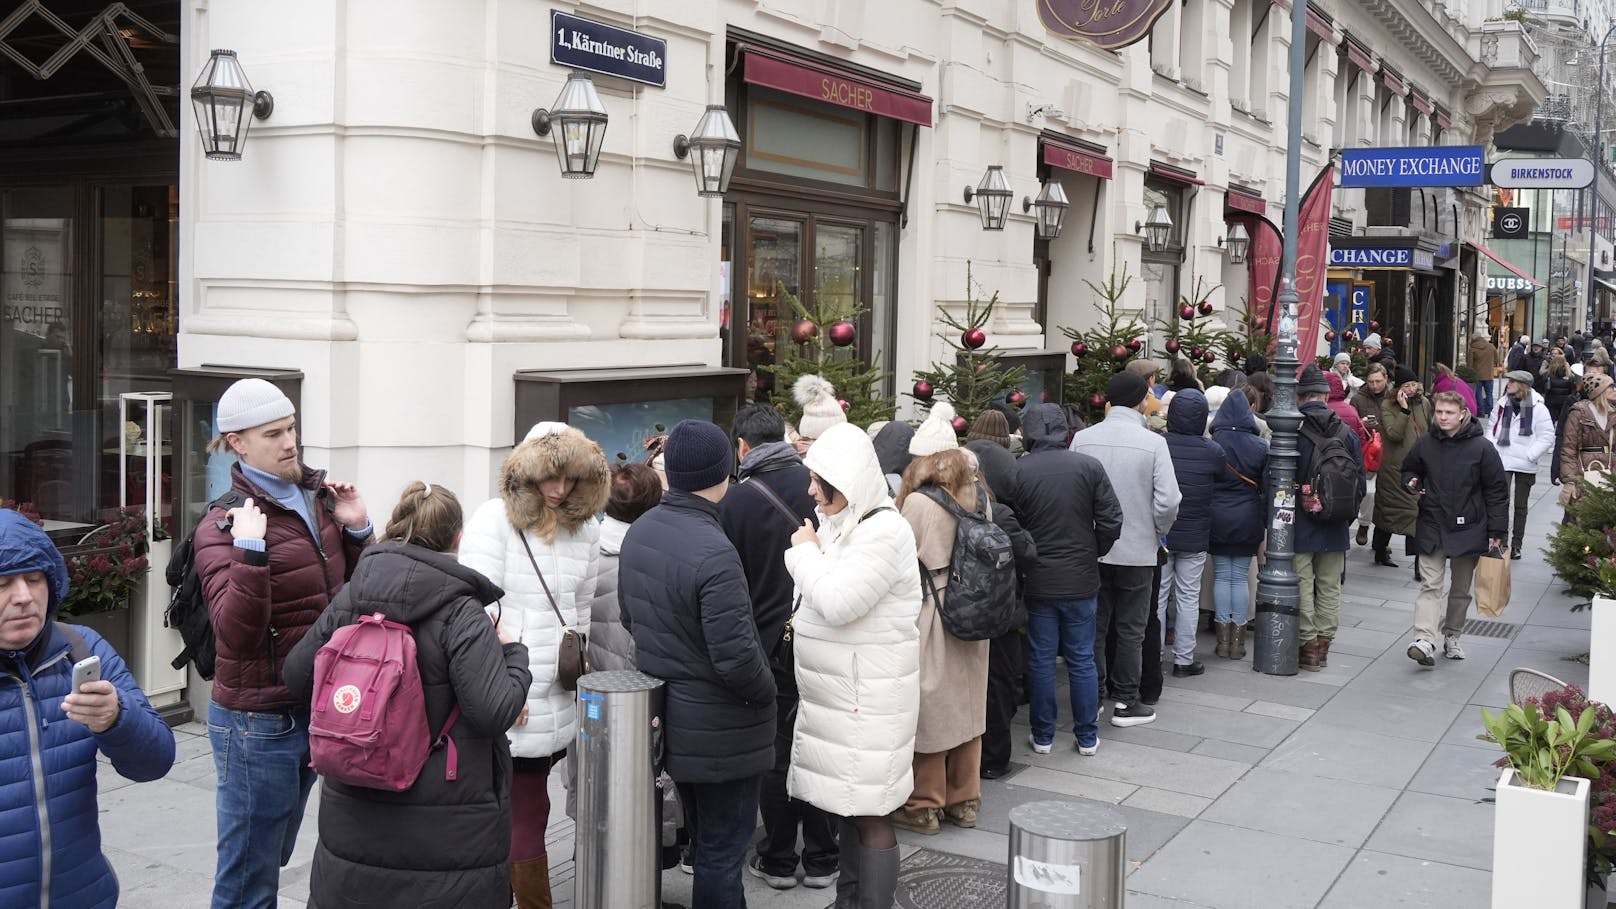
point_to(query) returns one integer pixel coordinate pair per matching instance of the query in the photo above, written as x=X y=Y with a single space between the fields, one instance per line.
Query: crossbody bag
x=572 y=660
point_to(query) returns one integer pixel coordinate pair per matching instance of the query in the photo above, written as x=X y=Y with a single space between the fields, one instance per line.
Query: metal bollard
x=619 y=755
x=1066 y=856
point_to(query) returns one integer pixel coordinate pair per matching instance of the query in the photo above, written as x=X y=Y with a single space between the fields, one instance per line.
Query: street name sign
x=600 y=48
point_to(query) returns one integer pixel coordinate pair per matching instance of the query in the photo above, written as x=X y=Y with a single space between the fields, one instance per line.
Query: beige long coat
x=953 y=673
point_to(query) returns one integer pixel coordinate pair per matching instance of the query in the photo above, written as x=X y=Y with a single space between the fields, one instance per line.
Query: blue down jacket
x=1240 y=507
x=50 y=838
x=1197 y=464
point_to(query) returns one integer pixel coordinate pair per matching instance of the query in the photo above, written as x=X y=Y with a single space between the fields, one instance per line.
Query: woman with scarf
x=1523 y=432
x=1590 y=434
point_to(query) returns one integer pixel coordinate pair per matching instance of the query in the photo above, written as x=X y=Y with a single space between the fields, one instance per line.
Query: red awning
x=1239 y=198
x=1358 y=55
x=1175 y=174
x=1508 y=266
x=1319 y=24
x=1420 y=101
x=844 y=88
x=1075 y=158
x=1392 y=80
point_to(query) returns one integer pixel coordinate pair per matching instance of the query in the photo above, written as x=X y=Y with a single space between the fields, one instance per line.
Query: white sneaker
x=1090 y=750
x=1037 y=748
x=1422 y=652
x=1451 y=649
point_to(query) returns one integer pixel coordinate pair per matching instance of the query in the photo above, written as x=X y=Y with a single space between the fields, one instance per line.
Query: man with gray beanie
x=270 y=557
x=684 y=597
x=1140 y=470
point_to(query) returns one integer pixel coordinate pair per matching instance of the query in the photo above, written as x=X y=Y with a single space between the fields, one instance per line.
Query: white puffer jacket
x=491 y=545
x=857 y=644
x=1523 y=452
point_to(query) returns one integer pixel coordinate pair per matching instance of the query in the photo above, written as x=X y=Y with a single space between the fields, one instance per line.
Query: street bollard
x=619 y=755
x=1066 y=856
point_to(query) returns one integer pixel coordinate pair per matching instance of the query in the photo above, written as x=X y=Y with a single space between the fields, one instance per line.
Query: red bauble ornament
x=1135 y=344
x=981 y=368
x=923 y=390
x=846 y=404
x=842 y=334
x=1195 y=353
x=1374 y=326
x=1186 y=311
x=960 y=425
x=1206 y=307
x=1016 y=398
x=1079 y=348
x=1096 y=400
x=974 y=338
x=804 y=331
x=1119 y=352
x=1208 y=356
x=1172 y=345
x=1329 y=336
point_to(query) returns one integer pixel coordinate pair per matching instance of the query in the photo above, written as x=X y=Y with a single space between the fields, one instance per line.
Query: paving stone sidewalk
x=1359 y=786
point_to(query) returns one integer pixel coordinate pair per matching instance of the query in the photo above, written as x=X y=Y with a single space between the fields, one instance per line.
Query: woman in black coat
x=440 y=843
x=1242 y=520
x=1559 y=383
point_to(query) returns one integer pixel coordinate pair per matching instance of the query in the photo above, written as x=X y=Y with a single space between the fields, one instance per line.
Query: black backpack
x=981 y=601
x=1332 y=476
x=187 y=611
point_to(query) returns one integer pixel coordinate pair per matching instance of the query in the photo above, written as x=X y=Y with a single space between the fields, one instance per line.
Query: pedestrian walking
x=1516 y=358
x=1407 y=417
x=410 y=576
x=1336 y=400
x=760 y=515
x=1241 y=520
x=268 y=567
x=1069 y=508
x=1559 y=384
x=1447 y=380
x=953 y=673
x=856 y=647
x=1342 y=366
x=1579 y=393
x=1464 y=505
x=1523 y=433
x=1376 y=351
x=1321 y=537
x=539 y=542
x=684 y=597
x=1483 y=358
x=1590 y=436
x=1140 y=469
x=53 y=733
x=1007 y=652
x=1369 y=402
x=1198 y=463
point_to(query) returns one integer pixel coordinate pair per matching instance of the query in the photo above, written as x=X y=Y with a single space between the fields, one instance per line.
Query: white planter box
x=1602 y=652
x=152 y=646
x=1540 y=842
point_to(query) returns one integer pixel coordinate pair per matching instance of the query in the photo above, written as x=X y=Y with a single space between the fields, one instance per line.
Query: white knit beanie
x=1373 y=341
x=820 y=411
x=249 y=403
x=936 y=433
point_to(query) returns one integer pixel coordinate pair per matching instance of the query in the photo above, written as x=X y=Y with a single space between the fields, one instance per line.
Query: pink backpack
x=368 y=723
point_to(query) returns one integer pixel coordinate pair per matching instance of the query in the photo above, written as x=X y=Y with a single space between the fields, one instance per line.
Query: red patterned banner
x=1312 y=260
x=1111 y=24
x=1263 y=260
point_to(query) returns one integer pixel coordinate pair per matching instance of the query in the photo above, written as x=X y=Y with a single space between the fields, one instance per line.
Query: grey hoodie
x=1140 y=468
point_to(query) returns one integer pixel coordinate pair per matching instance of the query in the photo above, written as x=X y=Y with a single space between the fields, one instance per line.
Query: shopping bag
x=1492 y=583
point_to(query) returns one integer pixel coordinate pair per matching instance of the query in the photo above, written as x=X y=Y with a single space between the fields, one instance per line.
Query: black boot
x=878 y=878
x=1384 y=557
x=847 y=877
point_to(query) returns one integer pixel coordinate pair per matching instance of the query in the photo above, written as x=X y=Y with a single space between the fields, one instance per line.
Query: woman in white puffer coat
x=857 y=650
x=551 y=488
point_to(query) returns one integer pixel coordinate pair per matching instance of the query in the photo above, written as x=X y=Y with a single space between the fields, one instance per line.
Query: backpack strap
x=78 y=648
x=451 y=767
x=773 y=498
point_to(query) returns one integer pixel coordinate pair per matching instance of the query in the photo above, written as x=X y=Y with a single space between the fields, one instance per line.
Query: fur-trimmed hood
x=554 y=450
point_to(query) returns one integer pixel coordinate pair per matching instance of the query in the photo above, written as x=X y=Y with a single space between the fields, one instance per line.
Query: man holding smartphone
x=53 y=842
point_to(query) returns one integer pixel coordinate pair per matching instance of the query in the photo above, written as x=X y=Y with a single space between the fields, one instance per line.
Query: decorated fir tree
x=821 y=343
x=1583 y=553
x=975 y=376
x=1103 y=350
x=1253 y=338
x=1189 y=334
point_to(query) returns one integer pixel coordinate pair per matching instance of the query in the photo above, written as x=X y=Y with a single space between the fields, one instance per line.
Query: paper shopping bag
x=1492 y=584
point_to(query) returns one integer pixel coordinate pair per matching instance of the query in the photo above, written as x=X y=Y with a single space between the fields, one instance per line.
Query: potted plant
x=105 y=568
x=1582 y=552
x=1541 y=826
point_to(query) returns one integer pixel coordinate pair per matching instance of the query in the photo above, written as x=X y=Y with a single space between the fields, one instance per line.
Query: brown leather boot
x=1237 y=641
x=1324 y=651
x=1225 y=633
x=1309 y=657
x=530 y=881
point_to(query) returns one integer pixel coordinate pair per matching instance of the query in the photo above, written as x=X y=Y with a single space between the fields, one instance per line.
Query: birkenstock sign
x=1111 y=24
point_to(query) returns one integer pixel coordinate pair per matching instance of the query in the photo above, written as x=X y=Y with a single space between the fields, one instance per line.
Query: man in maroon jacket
x=268 y=569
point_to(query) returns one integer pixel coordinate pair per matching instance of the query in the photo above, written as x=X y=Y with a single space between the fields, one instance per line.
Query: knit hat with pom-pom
x=820 y=411
x=936 y=433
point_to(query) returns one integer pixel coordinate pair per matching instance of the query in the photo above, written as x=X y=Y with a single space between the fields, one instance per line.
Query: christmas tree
x=1104 y=350
x=1189 y=335
x=822 y=344
x=975 y=376
x=1254 y=337
x=1583 y=553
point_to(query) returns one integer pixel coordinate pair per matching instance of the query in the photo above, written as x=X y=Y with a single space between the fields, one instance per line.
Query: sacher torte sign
x=1109 y=23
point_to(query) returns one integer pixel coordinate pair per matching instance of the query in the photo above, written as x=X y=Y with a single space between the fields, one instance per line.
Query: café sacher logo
x=1111 y=24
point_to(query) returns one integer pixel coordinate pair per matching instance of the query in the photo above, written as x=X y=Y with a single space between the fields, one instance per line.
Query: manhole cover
x=938 y=880
x=1486 y=628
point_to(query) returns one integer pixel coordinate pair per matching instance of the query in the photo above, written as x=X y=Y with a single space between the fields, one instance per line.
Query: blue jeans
x=1230 y=595
x=721 y=818
x=262 y=762
x=1066 y=626
x=1484 y=396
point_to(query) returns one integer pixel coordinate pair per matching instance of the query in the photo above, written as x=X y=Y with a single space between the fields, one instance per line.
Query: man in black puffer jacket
x=684 y=597
x=1068 y=506
x=1464 y=512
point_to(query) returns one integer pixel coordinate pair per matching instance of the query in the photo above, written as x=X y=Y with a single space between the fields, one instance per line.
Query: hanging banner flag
x=1312 y=259
x=1263 y=261
x=1112 y=24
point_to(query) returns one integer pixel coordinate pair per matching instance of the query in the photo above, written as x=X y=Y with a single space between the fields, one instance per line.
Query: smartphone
x=86 y=670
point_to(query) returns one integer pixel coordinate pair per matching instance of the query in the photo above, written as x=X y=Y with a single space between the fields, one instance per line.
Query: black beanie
x=1312 y=381
x=1404 y=375
x=696 y=456
x=1125 y=389
x=1256 y=363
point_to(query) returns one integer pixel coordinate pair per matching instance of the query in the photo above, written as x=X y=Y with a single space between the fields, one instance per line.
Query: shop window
x=800 y=137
